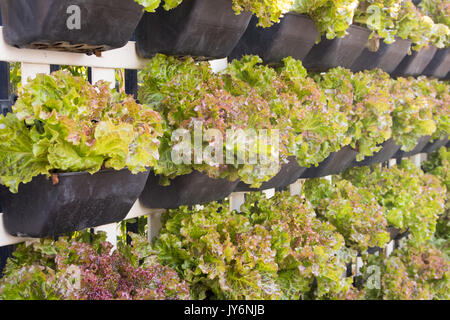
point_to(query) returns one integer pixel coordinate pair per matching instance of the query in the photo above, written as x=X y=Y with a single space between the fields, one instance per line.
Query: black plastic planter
x=387 y=58
x=439 y=66
x=337 y=52
x=289 y=173
x=80 y=200
x=294 y=36
x=186 y=190
x=388 y=150
x=421 y=143
x=435 y=145
x=46 y=24
x=200 y=28
x=397 y=234
x=414 y=64
x=336 y=163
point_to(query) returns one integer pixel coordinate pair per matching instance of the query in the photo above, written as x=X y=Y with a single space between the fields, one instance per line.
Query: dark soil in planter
x=388 y=150
x=421 y=143
x=289 y=173
x=78 y=201
x=42 y=24
x=342 y=52
x=387 y=58
x=336 y=163
x=439 y=66
x=435 y=145
x=294 y=36
x=186 y=190
x=414 y=64
x=199 y=28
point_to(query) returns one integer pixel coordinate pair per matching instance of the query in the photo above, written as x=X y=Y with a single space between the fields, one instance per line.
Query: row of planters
x=358 y=35
x=76 y=155
x=285 y=247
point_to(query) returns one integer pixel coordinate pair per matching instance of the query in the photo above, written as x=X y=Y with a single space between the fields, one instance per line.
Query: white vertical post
x=30 y=70
x=417 y=159
x=154 y=225
x=106 y=74
x=295 y=188
x=359 y=265
x=392 y=163
x=219 y=64
x=236 y=200
x=269 y=193
x=111 y=233
x=389 y=248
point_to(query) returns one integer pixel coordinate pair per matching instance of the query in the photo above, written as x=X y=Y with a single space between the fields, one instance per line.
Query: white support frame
x=103 y=68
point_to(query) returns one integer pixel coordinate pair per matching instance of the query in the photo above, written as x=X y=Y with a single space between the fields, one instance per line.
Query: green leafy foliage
x=354 y=212
x=189 y=95
x=268 y=11
x=332 y=18
x=61 y=123
x=412 y=273
x=364 y=99
x=152 y=5
x=412 y=200
x=275 y=249
x=76 y=269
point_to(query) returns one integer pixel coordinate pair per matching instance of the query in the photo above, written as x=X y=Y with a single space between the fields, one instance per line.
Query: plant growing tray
x=337 y=52
x=388 y=150
x=435 y=145
x=294 y=36
x=186 y=190
x=80 y=200
x=289 y=173
x=335 y=163
x=387 y=58
x=421 y=143
x=43 y=24
x=200 y=28
x=414 y=64
x=439 y=67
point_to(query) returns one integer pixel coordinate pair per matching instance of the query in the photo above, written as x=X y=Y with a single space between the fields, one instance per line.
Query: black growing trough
x=289 y=173
x=337 y=52
x=80 y=200
x=49 y=24
x=294 y=36
x=199 y=28
x=186 y=190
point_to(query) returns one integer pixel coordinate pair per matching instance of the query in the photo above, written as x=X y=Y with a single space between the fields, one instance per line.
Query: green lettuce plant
x=76 y=269
x=415 y=272
x=310 y=255
x=364 y=99
x=332 y=17
x=152 y=5
x=188 y=94
x=413 y=200
x=354 y=212
x=438 y=10
x=61 y=123
x=413 y=111
x=275 y=249
x=308 y=125
x=379 y=16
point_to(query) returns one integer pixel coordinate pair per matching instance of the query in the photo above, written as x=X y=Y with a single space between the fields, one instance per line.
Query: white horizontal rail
x=122 y=58
x=138 y=210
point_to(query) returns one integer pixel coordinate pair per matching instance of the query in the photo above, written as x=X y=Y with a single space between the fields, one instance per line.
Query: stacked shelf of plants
x=341 y=87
